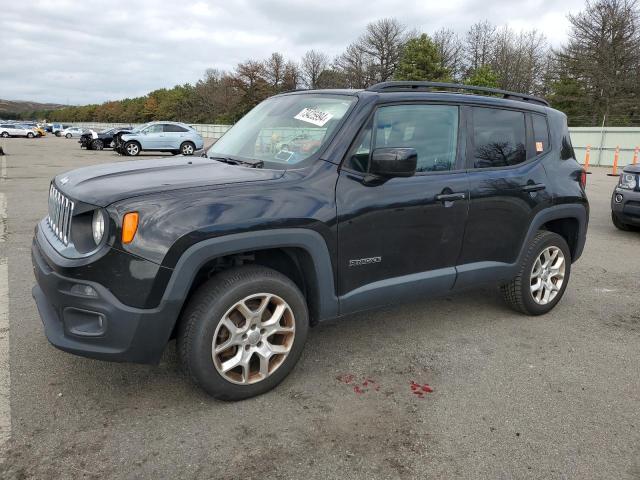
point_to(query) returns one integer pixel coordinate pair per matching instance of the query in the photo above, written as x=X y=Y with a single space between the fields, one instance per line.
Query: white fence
x=603 y=142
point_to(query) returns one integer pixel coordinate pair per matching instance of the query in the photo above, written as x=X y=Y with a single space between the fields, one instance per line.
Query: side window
x=432 y=130
x=499 y=137
x=169 y=127
x=540 y=133
x=157 y=128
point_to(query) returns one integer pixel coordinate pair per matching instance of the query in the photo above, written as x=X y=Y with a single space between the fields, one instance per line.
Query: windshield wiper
x=235 y=161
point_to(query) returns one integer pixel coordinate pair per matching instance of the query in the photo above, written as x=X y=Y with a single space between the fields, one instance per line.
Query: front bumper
x=99 y=326
x=628 y=209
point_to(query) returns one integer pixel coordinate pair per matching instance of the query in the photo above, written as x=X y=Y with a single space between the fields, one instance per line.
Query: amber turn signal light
x=129 y=227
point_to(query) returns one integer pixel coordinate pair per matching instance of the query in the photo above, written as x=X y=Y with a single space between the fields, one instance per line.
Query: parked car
x=387 y=195
x=102 y=139
x=625 y=201
x=71 y=132
x=171 y=137
x=16 y=130
x=56 y=128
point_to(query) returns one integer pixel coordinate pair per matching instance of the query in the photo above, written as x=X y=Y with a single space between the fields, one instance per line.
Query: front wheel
x=97 y=144
x=243 y=332
x=543 y=275
x=132 y=148
x=68 y=135
x=5 y=135
x=187 y=148
x=29 y=135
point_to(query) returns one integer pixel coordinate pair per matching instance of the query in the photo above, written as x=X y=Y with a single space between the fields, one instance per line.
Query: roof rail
x=405 y=85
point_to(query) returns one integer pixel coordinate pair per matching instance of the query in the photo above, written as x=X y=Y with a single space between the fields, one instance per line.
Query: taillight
x=583 y=179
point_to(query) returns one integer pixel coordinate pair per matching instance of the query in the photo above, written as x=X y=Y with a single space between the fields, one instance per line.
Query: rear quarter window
x=540 y=133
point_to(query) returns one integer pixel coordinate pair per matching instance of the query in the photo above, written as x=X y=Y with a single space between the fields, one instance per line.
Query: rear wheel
x=187 y=148
x=68 y=135
x=543 y=275
x=132 y=148
x=243 y=332
x=619 y=224
x=5 y=135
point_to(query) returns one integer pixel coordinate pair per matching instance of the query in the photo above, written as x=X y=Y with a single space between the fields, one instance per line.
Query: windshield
x=284 y=131
x=139 y=128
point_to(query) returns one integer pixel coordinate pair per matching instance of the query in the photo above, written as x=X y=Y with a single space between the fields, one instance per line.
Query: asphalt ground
x=550 y=397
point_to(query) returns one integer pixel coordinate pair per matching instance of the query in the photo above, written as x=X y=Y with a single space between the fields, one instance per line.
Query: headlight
x=628 y=181
x=97 y=226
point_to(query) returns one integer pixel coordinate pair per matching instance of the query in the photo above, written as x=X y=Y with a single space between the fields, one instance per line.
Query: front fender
x=196 y=256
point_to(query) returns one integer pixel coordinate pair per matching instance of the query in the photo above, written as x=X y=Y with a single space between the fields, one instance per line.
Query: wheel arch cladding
x=568 y=221
x=308 y=248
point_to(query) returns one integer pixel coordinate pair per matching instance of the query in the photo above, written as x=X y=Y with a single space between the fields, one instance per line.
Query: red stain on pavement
x=419 y=390
x=359 y=387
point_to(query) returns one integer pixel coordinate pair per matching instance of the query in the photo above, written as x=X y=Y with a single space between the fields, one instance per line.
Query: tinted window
x=540 y=133
x=169 y=127
x=432 y=130
x=499 y=137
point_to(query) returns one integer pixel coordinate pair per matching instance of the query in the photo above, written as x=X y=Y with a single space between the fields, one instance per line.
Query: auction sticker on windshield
x=316 y=117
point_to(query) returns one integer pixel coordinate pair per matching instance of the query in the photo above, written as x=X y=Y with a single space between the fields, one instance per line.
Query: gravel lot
x=514 y=397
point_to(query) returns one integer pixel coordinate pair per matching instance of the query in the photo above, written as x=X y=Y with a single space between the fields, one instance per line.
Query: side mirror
x=393 y=162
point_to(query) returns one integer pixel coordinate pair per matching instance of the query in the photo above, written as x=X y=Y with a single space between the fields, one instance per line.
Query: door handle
x=450 y=197
x=533 y=187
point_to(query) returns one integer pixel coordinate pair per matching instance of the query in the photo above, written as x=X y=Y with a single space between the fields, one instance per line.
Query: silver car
x=71 y=132
x=16 y=130
x=171 y=137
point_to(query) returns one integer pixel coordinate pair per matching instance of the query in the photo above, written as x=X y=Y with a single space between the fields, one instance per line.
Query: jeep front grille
x=60 y=214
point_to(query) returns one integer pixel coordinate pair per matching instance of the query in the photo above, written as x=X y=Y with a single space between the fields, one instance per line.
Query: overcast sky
x=81 y=52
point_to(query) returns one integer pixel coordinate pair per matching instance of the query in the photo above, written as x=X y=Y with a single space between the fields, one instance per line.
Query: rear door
x=399 y=238
x=508 y=186
x=174 y=135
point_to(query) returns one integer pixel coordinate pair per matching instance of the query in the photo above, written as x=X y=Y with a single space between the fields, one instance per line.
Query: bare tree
x=356 y=66
x=450 y=50
x=274 y=67
x=292 y=78
x=383 y=41
x=312 y=65
x=479 y=44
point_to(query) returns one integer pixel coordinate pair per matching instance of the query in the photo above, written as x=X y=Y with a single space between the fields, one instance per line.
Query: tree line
x=593 y=77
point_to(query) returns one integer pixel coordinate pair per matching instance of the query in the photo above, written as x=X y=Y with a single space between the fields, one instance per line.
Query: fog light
x=84 y=290
x=84 y=323
x=618 y=198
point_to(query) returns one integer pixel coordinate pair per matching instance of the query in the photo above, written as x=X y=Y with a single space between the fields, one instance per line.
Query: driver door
x=400 y=238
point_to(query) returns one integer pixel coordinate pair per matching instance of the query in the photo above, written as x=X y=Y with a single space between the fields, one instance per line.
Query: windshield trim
x=312 y=158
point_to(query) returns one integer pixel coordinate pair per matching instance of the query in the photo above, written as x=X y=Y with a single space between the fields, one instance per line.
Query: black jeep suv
x=315 y=205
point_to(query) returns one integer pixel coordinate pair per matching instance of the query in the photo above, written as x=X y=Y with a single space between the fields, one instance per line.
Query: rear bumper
x=98 y=326
x=628 y=209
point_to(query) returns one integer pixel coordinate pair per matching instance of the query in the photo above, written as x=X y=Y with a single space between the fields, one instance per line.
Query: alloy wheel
x=132 y=149
x=253 y=338
x=547 y=275
x=187 y=149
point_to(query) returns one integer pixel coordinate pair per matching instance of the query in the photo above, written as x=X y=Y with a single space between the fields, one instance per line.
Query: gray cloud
x=80 y=52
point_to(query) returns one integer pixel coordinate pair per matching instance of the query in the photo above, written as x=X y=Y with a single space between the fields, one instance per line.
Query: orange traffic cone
x=635 y=156
x=614 y=171
x=587 y=156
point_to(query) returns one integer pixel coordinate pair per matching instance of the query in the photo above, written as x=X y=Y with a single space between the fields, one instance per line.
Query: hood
x=101 y=185
x=632 y=168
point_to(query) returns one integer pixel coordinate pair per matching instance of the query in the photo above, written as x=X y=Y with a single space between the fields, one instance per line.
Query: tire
x=5 y=135
x=57 y=134
x=619 y=224
x=29 y=135
x=519 y=292
x=97 y=144
x=202 y=324
x=68 y=135
x=131 y=149
x=187 y=148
